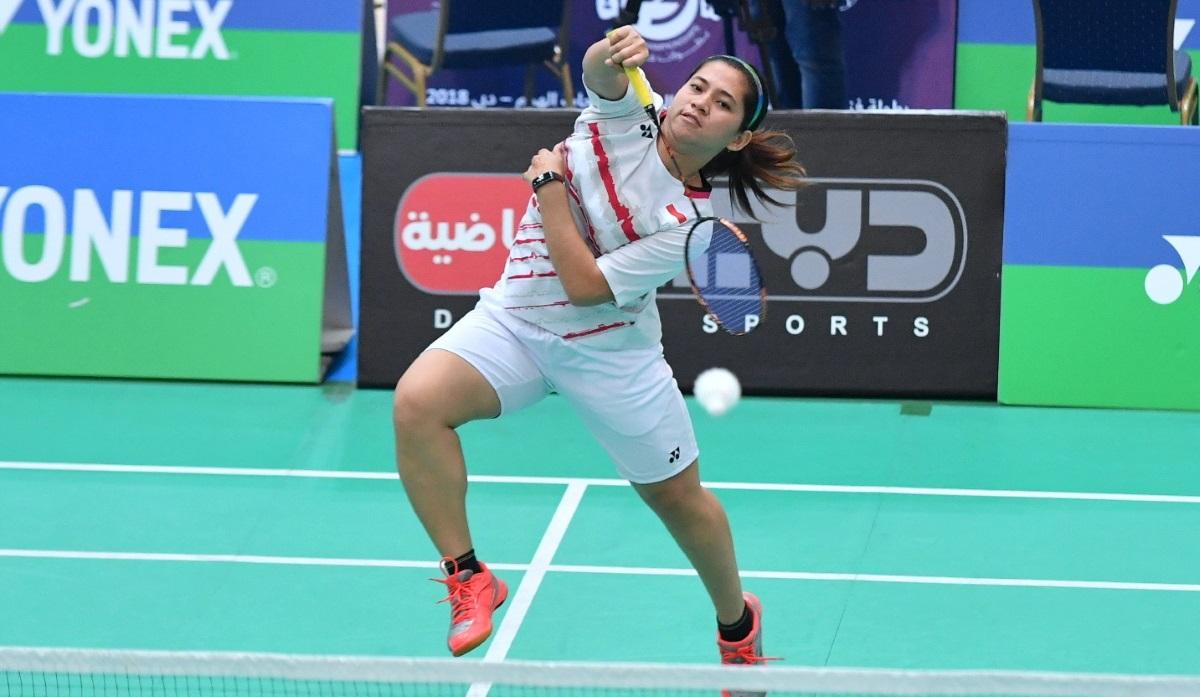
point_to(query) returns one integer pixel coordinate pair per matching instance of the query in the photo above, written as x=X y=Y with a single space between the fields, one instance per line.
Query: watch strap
x=545 y=178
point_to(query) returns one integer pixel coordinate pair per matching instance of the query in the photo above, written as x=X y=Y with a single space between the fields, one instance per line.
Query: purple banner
x=899 y=54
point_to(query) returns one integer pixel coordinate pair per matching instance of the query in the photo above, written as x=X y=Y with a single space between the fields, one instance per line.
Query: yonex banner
x=219 y=47
x=883 y=279
x=1101 y=256
x=170 y=238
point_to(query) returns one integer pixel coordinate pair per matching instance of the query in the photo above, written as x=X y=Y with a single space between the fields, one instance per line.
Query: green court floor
x=186 y=516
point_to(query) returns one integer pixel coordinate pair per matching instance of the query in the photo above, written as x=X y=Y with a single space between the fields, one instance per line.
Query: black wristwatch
x=545 y=178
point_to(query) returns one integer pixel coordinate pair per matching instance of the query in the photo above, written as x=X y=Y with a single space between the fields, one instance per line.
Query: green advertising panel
x=170 y=237
x=210 y=47
x=997 y=56
x=1100 y=301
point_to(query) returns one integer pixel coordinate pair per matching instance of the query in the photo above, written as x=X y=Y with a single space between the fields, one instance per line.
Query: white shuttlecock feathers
x=717 y=390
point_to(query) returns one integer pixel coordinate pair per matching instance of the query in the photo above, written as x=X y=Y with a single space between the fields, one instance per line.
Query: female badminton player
x=574 y=313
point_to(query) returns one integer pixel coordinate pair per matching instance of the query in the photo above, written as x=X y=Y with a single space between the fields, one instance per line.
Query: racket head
x=724 y=275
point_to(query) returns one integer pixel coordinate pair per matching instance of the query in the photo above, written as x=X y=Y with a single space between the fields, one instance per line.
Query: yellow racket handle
x=640 y=87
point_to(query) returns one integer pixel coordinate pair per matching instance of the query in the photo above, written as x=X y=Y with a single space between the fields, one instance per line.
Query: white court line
x=935 y=491
x=521 y=601
x=542 y=568
x=567 y=481
x=218 y=471
x=892 y=578
x=267 y=472
x=234 y=559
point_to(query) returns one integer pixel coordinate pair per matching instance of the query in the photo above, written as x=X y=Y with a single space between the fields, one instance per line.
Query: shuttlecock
x=717 y=390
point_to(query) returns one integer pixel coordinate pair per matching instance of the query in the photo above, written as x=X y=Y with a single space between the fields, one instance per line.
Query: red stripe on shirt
x=590 y=237
x=675 y=212
x=610 y=186
x=596 y=330
x=523 y=276
x=694 y=193
x=530 y=307
x=528 y=257
x=591 y=231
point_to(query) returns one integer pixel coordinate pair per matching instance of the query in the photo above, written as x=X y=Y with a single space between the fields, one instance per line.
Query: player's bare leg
x=697 y=521
x=438 y=393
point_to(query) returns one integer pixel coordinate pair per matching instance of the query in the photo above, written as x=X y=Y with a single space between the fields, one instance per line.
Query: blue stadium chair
x=481 y=34
x=1110 y=52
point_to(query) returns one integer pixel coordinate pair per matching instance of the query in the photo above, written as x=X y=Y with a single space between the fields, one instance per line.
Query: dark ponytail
x=769 y=157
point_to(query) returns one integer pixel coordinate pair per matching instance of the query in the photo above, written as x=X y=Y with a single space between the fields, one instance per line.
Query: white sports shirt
x=633 y=215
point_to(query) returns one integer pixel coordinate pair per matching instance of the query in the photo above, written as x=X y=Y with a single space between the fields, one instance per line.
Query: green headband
x=760 y=109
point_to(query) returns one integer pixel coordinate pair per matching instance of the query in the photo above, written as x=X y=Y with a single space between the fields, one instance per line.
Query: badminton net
x=51 y=672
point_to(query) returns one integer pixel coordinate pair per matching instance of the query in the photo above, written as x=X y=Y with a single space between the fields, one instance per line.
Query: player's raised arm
x=603 y=64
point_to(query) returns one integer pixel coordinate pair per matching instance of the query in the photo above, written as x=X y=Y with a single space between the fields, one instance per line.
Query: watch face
x=544 y=178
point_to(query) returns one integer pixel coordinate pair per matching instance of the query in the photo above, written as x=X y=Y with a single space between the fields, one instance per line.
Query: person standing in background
x=806 y=54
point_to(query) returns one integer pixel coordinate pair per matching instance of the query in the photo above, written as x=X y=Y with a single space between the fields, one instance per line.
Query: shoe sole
x=503 y=593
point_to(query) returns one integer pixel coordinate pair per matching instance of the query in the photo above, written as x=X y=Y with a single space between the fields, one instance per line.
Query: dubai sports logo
x=669 y=26
x=1165 y=283
x=860 y=241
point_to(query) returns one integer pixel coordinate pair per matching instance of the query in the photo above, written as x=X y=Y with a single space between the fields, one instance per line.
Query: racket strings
x=729 y=284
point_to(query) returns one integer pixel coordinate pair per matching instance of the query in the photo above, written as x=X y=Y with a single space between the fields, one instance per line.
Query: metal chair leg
x=416 y=83
x=529 y=79
x=562 y=70
x=1187 y=106
x=568 y=85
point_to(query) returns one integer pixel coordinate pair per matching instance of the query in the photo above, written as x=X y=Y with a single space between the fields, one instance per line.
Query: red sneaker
x=473 y=597
x=748 y=651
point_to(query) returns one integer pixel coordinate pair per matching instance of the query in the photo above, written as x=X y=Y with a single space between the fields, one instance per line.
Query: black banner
x=884 y=278
x=433 y=165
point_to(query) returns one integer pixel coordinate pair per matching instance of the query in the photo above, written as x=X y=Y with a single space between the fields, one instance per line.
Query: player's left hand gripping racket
x=720 y=264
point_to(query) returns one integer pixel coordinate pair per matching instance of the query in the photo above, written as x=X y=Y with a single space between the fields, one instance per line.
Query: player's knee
x=663 y=499
x=672 y=494
x=411 y=414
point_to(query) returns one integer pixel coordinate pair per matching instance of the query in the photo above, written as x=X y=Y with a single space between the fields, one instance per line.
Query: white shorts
x=628 y=398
